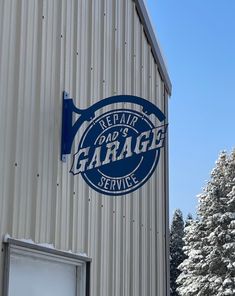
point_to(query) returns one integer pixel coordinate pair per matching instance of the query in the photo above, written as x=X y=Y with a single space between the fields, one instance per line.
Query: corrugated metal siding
x=92 y=49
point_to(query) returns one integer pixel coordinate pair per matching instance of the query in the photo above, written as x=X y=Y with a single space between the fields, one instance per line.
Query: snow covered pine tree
x=176 y=249
x=209 y=269
x=188 y=220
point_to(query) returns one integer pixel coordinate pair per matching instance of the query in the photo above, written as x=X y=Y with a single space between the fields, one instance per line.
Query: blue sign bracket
x=69 y=129
x=67 y=126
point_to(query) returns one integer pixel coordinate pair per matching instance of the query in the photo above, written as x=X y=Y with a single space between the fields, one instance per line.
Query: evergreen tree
x=188 y=220
x=176 y=249
x=210 y=241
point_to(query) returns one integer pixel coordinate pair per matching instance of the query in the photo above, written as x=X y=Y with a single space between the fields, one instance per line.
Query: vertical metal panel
x=92 y=49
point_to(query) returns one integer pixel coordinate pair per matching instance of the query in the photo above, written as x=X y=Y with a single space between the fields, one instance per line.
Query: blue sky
x=197 y=38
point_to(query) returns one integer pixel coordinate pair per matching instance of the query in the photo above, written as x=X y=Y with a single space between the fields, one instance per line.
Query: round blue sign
x=119 y=150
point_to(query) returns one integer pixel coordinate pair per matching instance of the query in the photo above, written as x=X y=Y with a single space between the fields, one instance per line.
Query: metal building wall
x=93 y=49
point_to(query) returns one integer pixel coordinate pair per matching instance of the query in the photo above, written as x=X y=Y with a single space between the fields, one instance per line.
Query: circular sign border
x=143 y=181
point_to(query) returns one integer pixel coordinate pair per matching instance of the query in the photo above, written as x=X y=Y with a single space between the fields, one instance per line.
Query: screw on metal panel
x=37 y=175
x=89 y=199
x=15 y=164
x=91 y=68
x=103 y=81
x=57 y=184
x=113 y=212
x=74 y=193
x=77 y=52
x=115 y=29
x=124 y=216
x=102 y=206
x=43 y=16
x=63 y=156
x=61 y=36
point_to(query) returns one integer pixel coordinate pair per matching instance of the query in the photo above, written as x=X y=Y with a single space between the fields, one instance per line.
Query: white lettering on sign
x=115 y=150
x=117 y=118
x=117 y=184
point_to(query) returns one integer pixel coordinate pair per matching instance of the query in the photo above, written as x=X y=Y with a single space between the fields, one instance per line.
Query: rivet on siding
x=91 y=68
x=61 y=36
x=77 y=52
x=125 y=43
x=43 y=16
x=113 y=212
x=124 y=216
x=74 y=193
x=133 y=221
x=89 y=199
x=102 y=206
x=15 y=164
x=37 y=175
x=115 y=29
x=57 y=184
x=103 y=81
x=104 y=14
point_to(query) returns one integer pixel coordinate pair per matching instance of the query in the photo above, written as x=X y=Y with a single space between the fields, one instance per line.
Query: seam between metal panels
x=144 y=17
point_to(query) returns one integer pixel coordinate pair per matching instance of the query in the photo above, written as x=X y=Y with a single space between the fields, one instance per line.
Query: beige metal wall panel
x=93 y=49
